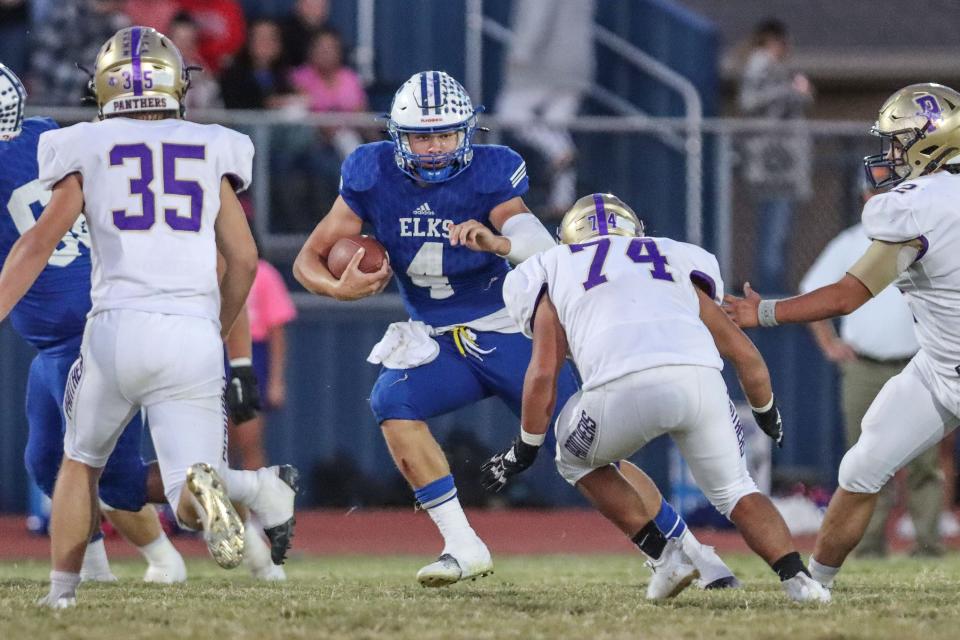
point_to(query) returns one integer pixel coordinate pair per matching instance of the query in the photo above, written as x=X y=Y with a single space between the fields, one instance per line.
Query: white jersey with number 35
x=151 y=196
x=626 y=304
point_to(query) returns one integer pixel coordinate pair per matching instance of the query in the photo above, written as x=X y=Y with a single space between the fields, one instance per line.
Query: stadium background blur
x=659 y=126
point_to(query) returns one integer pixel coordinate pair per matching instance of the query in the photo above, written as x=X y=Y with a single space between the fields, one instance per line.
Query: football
x=344 y=249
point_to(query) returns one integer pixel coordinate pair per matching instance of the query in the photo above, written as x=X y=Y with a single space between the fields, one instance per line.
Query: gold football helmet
x=139 y=69
x=599 y=214
x=920 y=131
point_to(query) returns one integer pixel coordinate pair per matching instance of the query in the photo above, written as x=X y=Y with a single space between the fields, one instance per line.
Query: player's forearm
x=234 y=288
x=539 y=401
x=837 y=299
x=24 y=263
x=755 y=382
x=312 y=273
x=238 y=340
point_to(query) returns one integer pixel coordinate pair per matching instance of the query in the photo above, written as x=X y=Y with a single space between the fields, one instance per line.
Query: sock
x=63 y=584
x=439 y=498
x=256 y=552
x=669 y=521
x=822 y=573
x=789 y=565
x=95 y=564
x=160 y=551
x=242 y=486
x=650 y=540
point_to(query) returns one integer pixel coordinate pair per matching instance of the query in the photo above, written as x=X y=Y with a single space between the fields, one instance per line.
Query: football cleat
x=803 y=588
x=672 y=572
x=457 y=567
x=256 y=557
x=222 y=527
x=101 y=576
x=167 y=573
x=714 y=573
x=274 y=507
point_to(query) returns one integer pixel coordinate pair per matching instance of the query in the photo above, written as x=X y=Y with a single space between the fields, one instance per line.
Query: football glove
x=495 y=472
x=243 y=395
x=770 y=423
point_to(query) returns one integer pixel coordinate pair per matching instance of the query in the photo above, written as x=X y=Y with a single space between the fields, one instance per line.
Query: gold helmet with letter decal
x=599 y=214
x=919 y=126
x=139 y=69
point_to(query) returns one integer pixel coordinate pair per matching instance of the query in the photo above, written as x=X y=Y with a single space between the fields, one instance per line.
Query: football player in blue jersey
x=451 y=216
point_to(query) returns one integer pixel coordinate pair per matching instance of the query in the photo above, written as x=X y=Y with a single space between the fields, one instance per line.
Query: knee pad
x=124 y=486
x=861 y=474
x=726 y=498
x=388 y=402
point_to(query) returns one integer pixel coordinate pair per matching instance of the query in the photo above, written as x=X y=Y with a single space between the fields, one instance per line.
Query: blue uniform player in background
x=452 y=218
x=51 y=317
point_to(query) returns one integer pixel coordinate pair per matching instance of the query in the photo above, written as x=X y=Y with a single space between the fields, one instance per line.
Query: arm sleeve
x=55 y=157
x=522 y=289
x=236 y=163
x=880 y=265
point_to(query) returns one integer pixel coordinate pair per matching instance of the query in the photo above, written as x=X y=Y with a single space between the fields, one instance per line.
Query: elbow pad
x=527 y=237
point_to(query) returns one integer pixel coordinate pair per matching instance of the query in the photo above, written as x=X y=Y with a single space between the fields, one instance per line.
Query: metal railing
x=690 y=137
x=726 y=199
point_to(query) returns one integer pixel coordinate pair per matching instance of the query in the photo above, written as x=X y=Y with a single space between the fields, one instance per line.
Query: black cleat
x=281 y=536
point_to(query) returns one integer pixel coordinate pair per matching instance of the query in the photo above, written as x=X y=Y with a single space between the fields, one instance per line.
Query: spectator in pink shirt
x=325 y=79
x=270 y=308
x=331 y=86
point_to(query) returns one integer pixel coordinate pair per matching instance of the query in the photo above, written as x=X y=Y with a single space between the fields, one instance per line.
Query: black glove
x=771 y=424
x=495 y=472
x=243 y=396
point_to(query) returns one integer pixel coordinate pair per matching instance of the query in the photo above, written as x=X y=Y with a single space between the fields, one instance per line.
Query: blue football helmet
x=13 y=98
x=432 y=102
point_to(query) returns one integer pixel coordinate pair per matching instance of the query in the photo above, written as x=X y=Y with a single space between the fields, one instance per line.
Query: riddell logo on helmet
x=430 y=119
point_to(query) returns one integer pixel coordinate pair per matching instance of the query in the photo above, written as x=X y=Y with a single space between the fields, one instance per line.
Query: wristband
x=532 y=439
x=766 y=313
x=241 y=362
x=764 y=408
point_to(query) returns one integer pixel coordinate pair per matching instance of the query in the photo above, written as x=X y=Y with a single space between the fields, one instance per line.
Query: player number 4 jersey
x=152 y=195
x=926 y=208
x=626 y=304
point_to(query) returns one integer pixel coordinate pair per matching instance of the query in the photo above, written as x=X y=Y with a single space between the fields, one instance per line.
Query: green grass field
x=593 y=597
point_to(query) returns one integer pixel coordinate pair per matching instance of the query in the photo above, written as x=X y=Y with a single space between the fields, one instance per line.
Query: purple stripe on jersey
x=424 y=102
x=923 y=250
x=135 y=36
x=436 y=91
x=601 y=214
x=704 y=282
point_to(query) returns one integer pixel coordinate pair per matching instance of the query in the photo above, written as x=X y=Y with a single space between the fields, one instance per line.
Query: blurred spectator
x=270 y=308
x=222 y=30
x=204 y=91
x=257 y=79
x=329 y=85
x=777 y=163
x=550 y=65
x=14 y=41
x=72 y=32
x=307 y=18
x=875 y=343
x=153 y=13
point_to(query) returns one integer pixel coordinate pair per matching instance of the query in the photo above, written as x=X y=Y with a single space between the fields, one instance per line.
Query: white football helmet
x=432 y=102
x=13 y=98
